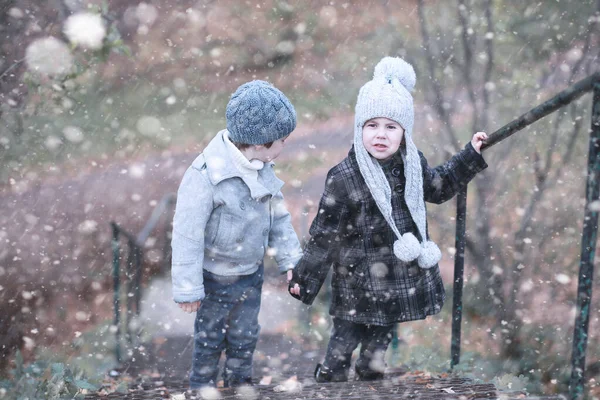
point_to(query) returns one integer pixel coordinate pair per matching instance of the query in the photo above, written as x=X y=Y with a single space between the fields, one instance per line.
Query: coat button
x=240 y=240
x=396 y=172
x=399 y=188
x=242 y=205
x=265 y=232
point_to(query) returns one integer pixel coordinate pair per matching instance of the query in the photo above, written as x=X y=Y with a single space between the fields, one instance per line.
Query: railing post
x=133 y=270
x=459 y=267
x=131 y=274
x=116 y=288
x=395 y=344
x=138 y=278
x=166 y=264
x=588 y=249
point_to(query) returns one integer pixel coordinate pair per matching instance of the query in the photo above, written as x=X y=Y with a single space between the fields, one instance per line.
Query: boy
x=229 y=211
x=371 y=225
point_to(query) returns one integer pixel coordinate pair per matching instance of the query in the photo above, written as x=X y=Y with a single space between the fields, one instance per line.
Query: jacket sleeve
x=443 y=182
x=323 y=247
x=192 y=211
x=282 y=238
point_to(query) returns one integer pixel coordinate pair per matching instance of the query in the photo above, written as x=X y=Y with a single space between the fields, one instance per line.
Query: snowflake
x=86 y=30
x=148 y=125
x=48 y=56
x=73 y=134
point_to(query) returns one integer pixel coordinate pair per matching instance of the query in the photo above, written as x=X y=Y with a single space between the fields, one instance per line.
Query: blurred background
x=104 y=104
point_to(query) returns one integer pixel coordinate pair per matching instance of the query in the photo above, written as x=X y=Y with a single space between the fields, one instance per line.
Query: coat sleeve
x=443 y=182
x=282 y=238
x=192 y=212
x=323 y=246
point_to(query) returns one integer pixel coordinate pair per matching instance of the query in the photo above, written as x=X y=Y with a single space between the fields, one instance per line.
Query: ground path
x=284 y=361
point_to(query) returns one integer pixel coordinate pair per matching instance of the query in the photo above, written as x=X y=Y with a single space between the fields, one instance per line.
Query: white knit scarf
x=387 y=95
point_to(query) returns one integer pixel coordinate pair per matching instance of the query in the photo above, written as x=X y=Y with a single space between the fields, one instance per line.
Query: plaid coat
x=370 y=285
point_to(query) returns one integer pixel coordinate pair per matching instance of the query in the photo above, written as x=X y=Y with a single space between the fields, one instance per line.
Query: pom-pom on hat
x=259 y=113
x=388 y=95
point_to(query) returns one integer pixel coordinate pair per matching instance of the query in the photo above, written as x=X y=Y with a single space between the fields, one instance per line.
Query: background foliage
x=107 y=139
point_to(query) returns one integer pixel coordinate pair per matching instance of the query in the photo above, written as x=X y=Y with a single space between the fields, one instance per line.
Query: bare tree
x=502 y=271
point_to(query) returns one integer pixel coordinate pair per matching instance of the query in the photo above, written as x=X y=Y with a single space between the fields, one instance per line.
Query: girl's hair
x=244 y=146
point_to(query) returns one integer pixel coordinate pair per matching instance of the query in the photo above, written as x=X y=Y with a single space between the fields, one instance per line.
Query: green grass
x=110 y=123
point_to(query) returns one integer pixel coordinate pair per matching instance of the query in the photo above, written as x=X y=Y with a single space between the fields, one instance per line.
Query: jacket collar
x=220 y=166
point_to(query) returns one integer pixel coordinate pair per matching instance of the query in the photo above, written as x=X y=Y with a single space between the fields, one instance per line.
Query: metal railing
x=133 y=270
x=589 y=234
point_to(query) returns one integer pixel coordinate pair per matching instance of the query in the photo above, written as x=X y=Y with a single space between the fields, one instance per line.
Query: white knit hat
x=388 y=95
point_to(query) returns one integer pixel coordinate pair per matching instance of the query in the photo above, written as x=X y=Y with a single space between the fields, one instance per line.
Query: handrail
x=134 y=271
x=589 y=234
x=560 y=100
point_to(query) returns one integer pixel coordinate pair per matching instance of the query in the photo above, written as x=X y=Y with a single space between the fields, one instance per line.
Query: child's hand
x=189 y=307
x=295 y=290
x=477 y=141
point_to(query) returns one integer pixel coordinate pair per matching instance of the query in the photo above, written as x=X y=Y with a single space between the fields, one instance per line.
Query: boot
x=325 y=374
x=367 y=374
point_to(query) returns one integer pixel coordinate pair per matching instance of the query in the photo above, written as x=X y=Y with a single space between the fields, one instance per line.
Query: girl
x=371 y=226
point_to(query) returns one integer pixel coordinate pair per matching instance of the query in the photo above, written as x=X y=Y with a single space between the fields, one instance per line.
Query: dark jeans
x=346 y=336
x=227 y=320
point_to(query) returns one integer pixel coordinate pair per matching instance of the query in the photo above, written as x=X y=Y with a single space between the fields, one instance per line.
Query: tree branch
x=489 y=66
x=542 y=175
x=62 y=9
x=466 y=70
x=592 y=370
x=438 y=101
x=13 y=66
x=473 y=248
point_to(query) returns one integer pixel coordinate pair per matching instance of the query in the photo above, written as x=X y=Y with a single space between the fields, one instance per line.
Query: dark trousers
x=346 y=336
x=227 y=320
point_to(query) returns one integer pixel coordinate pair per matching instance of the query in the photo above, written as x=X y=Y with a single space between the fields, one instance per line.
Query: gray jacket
x=224 y=222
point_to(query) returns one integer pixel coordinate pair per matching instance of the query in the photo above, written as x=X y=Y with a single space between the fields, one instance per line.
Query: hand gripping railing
x=589 y=234
x=133 y=272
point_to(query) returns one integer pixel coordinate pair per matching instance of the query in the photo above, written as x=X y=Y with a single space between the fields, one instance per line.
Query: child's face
x=266 y=155
x=382 y=137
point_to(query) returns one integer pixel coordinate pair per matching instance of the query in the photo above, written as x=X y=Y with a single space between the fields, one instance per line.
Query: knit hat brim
x=259 y=113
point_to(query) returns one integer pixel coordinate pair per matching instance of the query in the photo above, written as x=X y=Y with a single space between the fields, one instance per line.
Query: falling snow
x=86 y=30
x=49 y=56
x=105 y=109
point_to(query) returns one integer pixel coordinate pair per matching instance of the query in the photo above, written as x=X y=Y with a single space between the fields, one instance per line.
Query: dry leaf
x=290 y=385
x=159 y=340
x=266 y=380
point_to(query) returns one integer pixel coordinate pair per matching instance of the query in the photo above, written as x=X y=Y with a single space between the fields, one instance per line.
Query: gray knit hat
x=259 y=113
x=388 y=95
